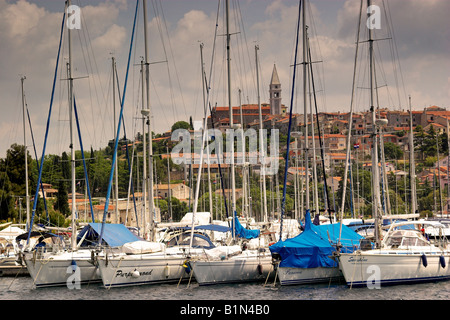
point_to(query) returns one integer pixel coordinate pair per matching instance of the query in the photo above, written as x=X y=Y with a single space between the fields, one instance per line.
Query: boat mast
x=439 y=174
x=144 y=113
x=448 y=170
x=305 y=110
x=412 y=166
x=376 y=209
x=27 y=195
x=313 y=136
x=349 y=134
x=233 y=186
x=386 y=198
x=116 y=172
x=244 y=168
x=206 y=128
x=72 y=150
x=262 y=150
x=150 y=149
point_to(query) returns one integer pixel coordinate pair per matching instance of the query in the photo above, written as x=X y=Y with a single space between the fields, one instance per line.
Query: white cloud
x=113 y=38
x=29 y=34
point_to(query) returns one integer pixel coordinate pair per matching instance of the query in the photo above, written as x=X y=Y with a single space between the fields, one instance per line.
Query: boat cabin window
x=407 y=238
x=185 y=240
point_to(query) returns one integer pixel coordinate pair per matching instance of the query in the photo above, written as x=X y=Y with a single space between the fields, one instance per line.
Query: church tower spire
x=275 y=93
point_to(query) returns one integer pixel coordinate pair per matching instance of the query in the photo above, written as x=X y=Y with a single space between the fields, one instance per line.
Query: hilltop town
x=174 y=182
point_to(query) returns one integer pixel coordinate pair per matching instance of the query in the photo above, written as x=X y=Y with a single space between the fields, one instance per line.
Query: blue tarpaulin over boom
x=312 y=247
x=212 y=227
x=241 y=232
x=114 y=235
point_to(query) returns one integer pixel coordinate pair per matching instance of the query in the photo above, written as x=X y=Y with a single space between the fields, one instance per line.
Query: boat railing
x=351 y=245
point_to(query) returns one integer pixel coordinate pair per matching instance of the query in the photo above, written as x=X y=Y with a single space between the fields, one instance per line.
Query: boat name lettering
x=356 y=259
x=288 y=271
x=120 y=273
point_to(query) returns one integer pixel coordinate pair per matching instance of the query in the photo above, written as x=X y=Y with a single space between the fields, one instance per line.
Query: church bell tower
x=275 y=93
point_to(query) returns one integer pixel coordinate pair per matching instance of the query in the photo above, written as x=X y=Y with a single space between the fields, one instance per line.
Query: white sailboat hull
x=241 y=268
x=9 y=267
x=294 y=276
x=389 y=267
x=49 y=270
x=133 y=270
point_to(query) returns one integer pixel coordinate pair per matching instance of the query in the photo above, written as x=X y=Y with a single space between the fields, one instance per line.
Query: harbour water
x=21 y=288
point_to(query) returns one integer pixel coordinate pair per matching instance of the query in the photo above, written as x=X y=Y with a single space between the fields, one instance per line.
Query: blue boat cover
x=210 y=227
x=241 y=232
x=213 y=227
x=315 y=245
x=114 y=235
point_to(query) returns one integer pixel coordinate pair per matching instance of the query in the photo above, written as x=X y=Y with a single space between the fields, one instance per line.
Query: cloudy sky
x=415 y=62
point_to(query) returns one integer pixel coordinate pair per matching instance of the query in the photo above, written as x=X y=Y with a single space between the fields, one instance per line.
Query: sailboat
x=8 y=250
x=72 y=266
x=403 y=255
x=9 y=247
x=308 y=257
x=252 y=261
x=150 y=262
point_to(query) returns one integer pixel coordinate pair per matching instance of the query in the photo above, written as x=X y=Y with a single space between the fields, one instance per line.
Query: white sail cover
x=10 y=233
x=223 y=251
x=201 y=218
x=139 y=247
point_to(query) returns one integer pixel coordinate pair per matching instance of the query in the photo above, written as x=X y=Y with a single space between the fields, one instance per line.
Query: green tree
x=12 y=181
x=419 y=140
x=14 y=166
x=431 y=142
x=163 y=206
x=180 y=125
x=7 y=202
x=65 y=165
x=392 y=151
x=179 y=209
x=62 y=200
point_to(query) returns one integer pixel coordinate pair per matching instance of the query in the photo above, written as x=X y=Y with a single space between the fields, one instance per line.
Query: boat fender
x=424 y=260
x=442 y=261
x=135 y=274
x=167 y=271
x=187 y=267
x=73 y=264
x=260 y=269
